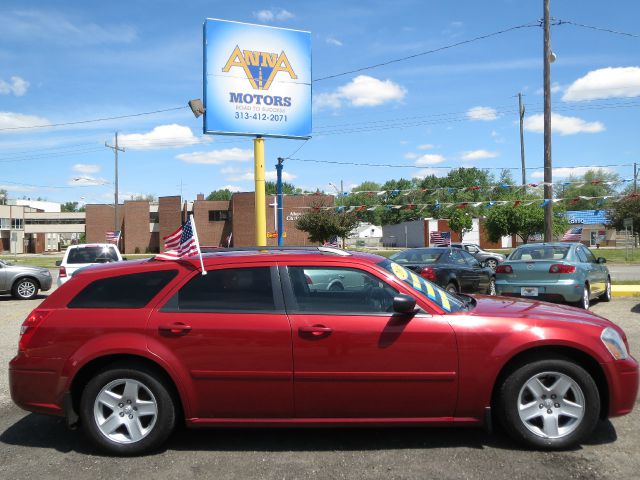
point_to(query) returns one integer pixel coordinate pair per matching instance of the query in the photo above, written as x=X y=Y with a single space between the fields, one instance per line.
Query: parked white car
x=83 y=255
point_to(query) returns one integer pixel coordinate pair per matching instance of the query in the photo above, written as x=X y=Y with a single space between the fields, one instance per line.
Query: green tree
x=523 y=221
x=149 y=197
x=460 y=221
x=628 y=207
x=592 y=184
x=287 y=188
x=324 y=224
x=69 y=207
x=4 y=196
x=224 y=194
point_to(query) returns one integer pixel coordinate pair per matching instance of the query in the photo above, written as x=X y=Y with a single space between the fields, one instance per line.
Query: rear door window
x=124 y=291
x=227 y=290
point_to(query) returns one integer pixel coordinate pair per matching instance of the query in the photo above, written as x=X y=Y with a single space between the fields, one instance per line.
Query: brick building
x=144 y=224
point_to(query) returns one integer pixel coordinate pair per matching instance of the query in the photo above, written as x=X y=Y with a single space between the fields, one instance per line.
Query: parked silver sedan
x=23 y=282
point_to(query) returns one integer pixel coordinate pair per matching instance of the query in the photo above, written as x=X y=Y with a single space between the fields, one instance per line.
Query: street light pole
x=521 y=115
x=115 y=149
x=548 y=172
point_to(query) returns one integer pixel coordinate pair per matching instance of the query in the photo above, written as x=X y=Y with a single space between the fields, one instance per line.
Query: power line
x=78 y=122
x=591 y=27
x=427 y=52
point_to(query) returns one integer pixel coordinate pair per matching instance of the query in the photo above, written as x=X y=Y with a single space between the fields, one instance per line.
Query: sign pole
x=260 y=207
x=279 y=201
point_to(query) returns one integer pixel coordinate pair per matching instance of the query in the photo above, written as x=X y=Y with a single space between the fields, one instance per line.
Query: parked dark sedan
x=453 y=269
x=490 y=259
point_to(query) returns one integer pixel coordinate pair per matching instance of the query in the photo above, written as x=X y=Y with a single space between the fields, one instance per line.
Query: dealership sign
x=257 y=80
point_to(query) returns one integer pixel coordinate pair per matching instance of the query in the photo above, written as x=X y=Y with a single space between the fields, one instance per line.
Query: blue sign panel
x=257 y=80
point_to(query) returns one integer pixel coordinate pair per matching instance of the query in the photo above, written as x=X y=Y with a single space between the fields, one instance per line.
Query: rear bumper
x=571 y=291
x=34 y=389
x=622 y=376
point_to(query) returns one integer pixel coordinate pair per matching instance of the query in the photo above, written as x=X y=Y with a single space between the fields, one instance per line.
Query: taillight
x=428 y=273
x=29 y=327
x=308 y=279
x=561 y=268
x=62 y=272
x=504 y=269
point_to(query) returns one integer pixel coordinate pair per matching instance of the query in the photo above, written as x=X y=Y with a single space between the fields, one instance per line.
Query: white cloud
x=334 y=41
x=485 y=114
x=267 y=16
x=426 y=146
x=12 y=120
x=478 y=154
x=19 y=188
x=217 y=157
x=564 y=172
x=55 y=28
x=229 y=170
x=425 y=158
x=562 y=125
x=425 y=172
x=362 y=91
x=86 y=180
x=555 y=88
x=16 y=85
x=163 y=136
x=231 y=188
x=270 y=175
x=85 y=168
x=605 y=83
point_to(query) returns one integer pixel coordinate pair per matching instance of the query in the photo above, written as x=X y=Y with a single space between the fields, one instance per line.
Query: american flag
x=440 y=238
x=181 y=243
x=572 y=235
x=113 y=237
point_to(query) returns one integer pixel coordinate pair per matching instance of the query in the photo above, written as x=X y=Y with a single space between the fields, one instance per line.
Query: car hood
x=27 y=269
x=537 y=311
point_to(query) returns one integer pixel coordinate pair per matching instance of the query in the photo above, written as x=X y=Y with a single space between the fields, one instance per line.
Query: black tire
x=531 y=433
x=451 y=288
x=585 y=301
x=25 y=288
x=606 y=296
x=158 y=430
x=491 y=262
x=492 y=287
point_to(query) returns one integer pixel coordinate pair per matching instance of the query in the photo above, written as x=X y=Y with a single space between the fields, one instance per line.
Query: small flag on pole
x=113 y=237
x=182 y=243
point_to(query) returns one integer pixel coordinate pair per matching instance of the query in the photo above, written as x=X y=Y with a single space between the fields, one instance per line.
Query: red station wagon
x=128 y=350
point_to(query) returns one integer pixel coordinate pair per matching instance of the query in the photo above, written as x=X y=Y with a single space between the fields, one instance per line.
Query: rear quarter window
x=125 y=291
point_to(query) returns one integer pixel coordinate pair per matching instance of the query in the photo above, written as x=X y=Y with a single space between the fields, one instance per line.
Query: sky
x=89 y=60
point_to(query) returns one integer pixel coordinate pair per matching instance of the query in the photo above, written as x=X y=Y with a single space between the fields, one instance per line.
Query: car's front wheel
x=549 y=404
x=25 y=289
x=127 y=411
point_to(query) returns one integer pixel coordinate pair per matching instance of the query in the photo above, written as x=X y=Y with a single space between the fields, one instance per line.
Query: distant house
x=594 y=227
x=366 y=230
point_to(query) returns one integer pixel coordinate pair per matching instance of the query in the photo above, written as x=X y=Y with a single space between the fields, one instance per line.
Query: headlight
x=614 y=343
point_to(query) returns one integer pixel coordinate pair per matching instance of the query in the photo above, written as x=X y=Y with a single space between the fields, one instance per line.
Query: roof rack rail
x=329 y=250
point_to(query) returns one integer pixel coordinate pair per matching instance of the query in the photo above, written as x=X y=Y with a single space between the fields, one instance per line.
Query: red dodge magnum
x=128 y=350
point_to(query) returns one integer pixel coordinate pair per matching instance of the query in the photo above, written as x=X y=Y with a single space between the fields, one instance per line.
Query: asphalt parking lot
x=34 y=446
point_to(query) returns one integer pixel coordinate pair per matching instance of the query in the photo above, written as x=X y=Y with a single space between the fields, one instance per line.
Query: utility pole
x=635 y=178
x=279 y=200
x=521 y=115
x=115 y=149
x=548 y=172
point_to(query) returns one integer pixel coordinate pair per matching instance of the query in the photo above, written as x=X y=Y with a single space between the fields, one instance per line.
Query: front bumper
x=622 y=377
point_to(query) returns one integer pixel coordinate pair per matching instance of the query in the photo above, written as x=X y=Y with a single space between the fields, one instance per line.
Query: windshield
x=437 y=295
x=417 y=256
x=92 y=255
x=540 y=252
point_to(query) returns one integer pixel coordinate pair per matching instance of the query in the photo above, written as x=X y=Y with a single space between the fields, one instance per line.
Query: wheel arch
x=25 y=276
x=101 y=363
x=579 y=357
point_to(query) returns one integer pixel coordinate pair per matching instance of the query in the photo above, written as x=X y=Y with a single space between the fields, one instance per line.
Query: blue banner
x=257 y=80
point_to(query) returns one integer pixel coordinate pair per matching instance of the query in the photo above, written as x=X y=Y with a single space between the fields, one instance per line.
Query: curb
x=625 y=290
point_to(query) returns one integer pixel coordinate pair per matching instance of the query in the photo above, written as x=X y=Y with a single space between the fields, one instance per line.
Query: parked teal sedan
x=556 y=272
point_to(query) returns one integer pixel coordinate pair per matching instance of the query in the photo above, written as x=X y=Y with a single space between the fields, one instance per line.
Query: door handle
x=174 y=329
x=315 y=330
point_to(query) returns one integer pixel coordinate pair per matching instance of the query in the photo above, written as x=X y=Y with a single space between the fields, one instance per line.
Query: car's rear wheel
x=549 y=404
x=606 y=296
x=127 y=411
x=491 y=262
x=25 y=289
x=585 y=300
x=451 y=288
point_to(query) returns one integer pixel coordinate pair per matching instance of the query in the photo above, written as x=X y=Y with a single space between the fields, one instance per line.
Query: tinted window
x=418 y=256
x=125 y=291
x=340 y=291
x=92 y=255
x=470 y=259
x=230 y=289
x=590 y=257
x=581 y=255
x=540 y=252
x=457 y=258
x=472 y=249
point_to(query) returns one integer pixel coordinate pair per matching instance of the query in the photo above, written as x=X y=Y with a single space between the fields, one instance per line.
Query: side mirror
x=602 y=260
x=405 y=304
x=58 y=263
x=124 y=259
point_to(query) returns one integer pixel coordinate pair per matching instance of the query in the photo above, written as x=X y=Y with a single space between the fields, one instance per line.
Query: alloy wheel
x=26 y=289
